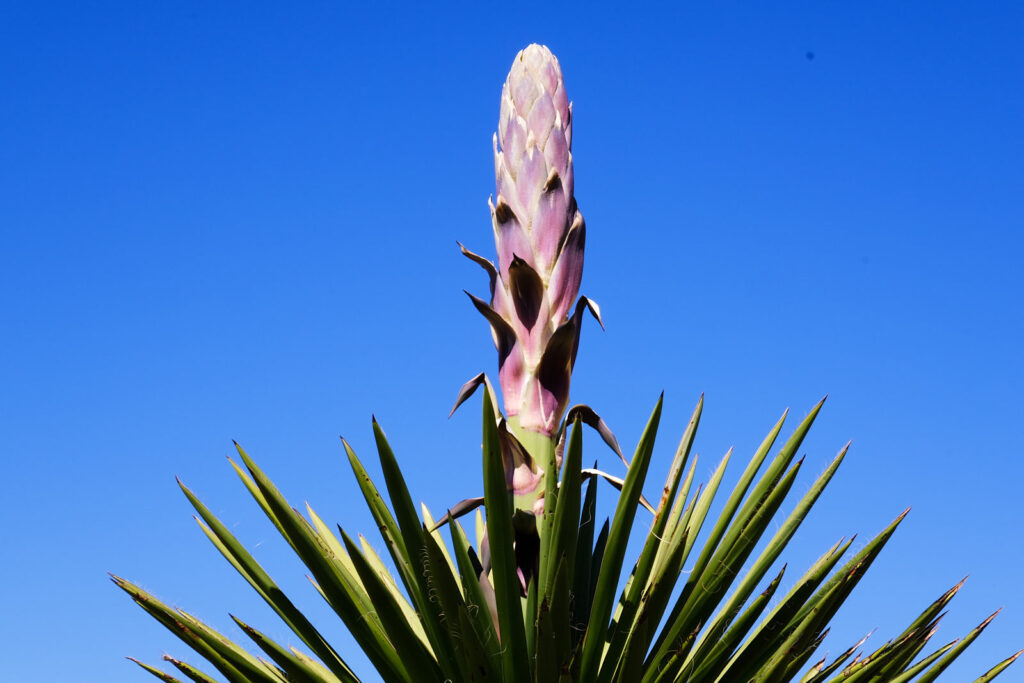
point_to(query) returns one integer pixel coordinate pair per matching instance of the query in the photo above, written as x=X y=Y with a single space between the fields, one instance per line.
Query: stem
x=541 y=448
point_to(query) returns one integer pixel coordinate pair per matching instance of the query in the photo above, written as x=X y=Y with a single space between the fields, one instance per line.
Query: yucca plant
x=541 y=594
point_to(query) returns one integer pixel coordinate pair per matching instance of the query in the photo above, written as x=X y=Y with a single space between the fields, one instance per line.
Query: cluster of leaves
x=463 y=615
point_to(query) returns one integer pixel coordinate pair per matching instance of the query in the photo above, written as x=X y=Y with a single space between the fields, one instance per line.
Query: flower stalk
x=539 y=234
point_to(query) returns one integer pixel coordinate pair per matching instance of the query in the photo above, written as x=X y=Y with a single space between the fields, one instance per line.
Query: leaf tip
x=990 y=618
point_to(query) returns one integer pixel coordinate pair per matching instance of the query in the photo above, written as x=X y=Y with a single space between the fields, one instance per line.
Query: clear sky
x=240 y=222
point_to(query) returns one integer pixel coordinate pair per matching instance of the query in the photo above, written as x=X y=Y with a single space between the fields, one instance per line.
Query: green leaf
x=344 y=595
x=478 y=610
x=673 y=631
x=565 y=535
x=297 y=669
x=478 y=665
x=515 y=664
x=408 y=610
x=680 y=493
x=798 y=661
x=417 y=660
x=763 y=639
x=471 y=659
x=932 y=612
x=712 y=582
x=258 y=496
x=911 y=672
x=389 y=531
x=581 y=582
x=167 y=678
x=704 y=498
x=530 y=605
x=998 y=668
x=888 y=661
x=546 y=661
x=932 y=673
x=708 y=588
x=428 y=521
x=771 y=552
x=820 y=672
x=190 y=671
x=251 y=571
x=618 y=537
x=596 y=558
x=711 y=654
x=652 y=607
x=566 y=520
x=561 y=599
x=414 y=538
x=727 y=530
x=858 y=563
x=639 y=581
x=656 y=597
x=894 y=657
x=230 y=659
x=797 y=607
x=805 y=636
x=386 y=524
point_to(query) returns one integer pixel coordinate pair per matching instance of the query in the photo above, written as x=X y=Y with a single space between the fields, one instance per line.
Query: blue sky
x=240 y=222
